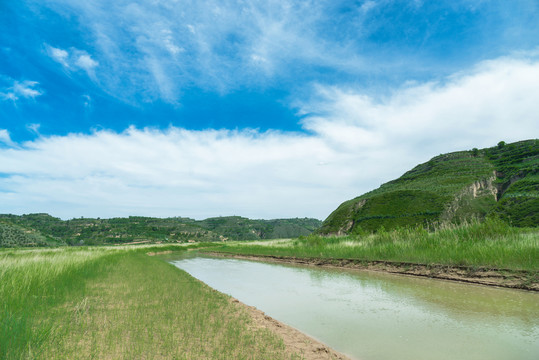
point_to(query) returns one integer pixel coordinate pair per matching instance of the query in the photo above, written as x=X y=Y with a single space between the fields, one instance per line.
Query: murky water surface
x=380 y=316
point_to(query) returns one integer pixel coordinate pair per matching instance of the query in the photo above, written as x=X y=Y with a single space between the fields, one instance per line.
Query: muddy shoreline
x=490 y=277
x=295 y=341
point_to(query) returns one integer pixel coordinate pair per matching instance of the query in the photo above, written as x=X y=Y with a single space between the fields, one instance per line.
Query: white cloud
x=170 y=43
x=58 y=55
x=34 y=128
x=26 y=89
x=496 y=100
x=170 y=173
x=87 y=101
x=5 y=138
x=85 y=62
x=73 y=59
x=367 y=6
x=360 y=142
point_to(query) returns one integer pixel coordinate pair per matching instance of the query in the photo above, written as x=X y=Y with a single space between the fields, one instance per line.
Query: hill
x=500 y=181
x=43 y=229
x=12 y=235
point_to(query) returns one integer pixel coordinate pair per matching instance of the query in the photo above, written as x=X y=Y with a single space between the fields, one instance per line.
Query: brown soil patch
x=491 y=277
x=295 y=341
x=159 y=253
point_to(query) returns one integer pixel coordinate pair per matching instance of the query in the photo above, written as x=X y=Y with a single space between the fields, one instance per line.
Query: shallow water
x=381 y=316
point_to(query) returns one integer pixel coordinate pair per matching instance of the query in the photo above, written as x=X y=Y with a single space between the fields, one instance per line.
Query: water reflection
x=383 y=316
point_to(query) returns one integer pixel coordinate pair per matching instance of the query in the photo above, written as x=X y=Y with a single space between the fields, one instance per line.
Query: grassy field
x=118 y=303
x=491 y=244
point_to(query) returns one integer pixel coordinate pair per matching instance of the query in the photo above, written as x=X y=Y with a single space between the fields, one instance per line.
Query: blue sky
x=256 y=108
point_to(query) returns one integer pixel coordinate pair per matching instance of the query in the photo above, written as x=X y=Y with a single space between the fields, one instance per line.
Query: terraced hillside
x=12 y=235
x=500 y=181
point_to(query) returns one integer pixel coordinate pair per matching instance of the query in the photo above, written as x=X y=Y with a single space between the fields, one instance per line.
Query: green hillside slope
x=16 y=236
x=501 y=180
x=43 y=229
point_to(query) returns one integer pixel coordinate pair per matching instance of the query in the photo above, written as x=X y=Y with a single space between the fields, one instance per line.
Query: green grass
x=118 y=303
x=32 y=281
x=491 y=244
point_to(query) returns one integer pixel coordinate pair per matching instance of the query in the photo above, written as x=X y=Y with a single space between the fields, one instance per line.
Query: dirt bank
x=294 y=340
x=491 y=277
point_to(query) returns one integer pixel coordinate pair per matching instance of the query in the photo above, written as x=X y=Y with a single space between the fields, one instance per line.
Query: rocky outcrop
x=349 y=225
x=480 y=188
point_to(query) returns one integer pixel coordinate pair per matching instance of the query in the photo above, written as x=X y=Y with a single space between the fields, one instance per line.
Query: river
x=378 y=316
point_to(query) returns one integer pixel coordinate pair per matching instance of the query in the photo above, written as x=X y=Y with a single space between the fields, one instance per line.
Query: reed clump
x=491 y=244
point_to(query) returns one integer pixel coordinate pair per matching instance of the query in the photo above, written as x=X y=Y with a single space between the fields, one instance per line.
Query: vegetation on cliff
x=502 y=181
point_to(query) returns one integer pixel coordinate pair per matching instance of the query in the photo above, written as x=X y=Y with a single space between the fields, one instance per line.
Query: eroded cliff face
x=485 y=188
x=348 y=225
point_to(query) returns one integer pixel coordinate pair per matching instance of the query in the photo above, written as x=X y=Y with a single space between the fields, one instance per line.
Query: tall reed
x=491 y=244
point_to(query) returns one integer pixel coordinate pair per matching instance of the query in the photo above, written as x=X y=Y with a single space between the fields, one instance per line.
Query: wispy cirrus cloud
x=216 y=45
x=159 y=48
x=355 y=143
x=33 y=128
x=85 y=62
x=148 y=50
x=5 y=138
x=73 y=59
x=58 y=55
x=25 y=89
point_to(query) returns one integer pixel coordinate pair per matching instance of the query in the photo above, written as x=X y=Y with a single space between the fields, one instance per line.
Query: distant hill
x=499 y=181
x=43 y=229
x=12 y=235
